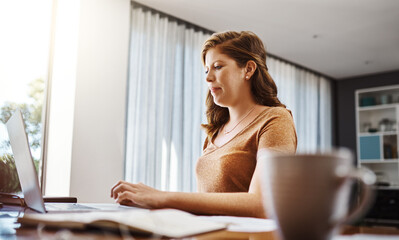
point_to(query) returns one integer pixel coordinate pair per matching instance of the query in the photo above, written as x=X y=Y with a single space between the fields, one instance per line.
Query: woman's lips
x=215 y=89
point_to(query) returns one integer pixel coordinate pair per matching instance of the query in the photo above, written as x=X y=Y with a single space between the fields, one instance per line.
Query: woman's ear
x=250 y=69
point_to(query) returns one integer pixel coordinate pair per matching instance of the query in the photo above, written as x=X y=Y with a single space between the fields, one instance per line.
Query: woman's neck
x=238 y=112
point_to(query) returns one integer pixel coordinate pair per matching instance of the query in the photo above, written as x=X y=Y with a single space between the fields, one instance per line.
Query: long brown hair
x=242 y=47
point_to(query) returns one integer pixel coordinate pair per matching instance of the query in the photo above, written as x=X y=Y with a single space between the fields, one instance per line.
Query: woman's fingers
x=121 y=186
x=141 y=195
x=126 y=198
x=113 y=187
x=129 y=203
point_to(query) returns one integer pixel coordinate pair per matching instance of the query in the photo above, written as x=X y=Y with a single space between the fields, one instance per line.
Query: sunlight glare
x=24 y=46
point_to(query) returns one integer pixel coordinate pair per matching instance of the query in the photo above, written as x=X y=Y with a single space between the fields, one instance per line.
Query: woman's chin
x=218 y=100
x=220 y=104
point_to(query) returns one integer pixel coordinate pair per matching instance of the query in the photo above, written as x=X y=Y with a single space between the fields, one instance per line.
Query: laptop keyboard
x=67 y=207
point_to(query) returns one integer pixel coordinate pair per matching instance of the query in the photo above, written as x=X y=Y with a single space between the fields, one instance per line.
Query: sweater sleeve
x=278 y=132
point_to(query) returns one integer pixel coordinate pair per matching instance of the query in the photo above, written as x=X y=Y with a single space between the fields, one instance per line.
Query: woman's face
x=226 y=80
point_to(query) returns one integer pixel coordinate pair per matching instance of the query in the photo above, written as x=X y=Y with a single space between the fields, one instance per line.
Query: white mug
x=308 y=194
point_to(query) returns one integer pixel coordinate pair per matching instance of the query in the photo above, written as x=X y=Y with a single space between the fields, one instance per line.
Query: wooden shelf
x=378 y=107
x=363 y=161
x=361 y=134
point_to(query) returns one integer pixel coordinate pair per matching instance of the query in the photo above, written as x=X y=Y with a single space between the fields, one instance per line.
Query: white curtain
x=166 y=102
x=308 y=96
x=167 y=91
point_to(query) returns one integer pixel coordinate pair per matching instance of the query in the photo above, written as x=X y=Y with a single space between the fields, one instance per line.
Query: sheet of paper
x=165 y=222
x=366 y=237
x=176 y=223
x=244 y=224
x=85 y=217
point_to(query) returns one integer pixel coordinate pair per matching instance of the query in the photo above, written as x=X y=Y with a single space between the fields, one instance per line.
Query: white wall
x=62 y=94
x=100 y=99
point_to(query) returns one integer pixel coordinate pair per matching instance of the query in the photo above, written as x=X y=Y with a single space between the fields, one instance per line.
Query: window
x=24 y=47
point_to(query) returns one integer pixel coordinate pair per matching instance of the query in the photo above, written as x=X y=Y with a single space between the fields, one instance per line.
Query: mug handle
x=367 y=179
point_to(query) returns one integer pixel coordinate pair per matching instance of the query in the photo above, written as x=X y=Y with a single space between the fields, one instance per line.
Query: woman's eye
x=218 y=67
x=206 y=71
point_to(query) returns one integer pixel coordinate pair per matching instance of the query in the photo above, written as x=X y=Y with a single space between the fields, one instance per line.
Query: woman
x=244 y=115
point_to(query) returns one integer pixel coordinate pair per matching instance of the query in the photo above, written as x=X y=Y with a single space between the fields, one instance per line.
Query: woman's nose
x=209 y=77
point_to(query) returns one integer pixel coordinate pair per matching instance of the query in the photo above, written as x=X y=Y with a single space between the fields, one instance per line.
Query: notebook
x=27 y=174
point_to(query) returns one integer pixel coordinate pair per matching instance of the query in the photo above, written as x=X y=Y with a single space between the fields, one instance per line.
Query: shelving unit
x=377 y=132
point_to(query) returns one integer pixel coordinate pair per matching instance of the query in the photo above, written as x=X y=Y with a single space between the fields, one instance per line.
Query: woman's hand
x=138 y=195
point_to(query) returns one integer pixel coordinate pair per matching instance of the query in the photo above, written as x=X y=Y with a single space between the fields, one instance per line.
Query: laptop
x=28 y=177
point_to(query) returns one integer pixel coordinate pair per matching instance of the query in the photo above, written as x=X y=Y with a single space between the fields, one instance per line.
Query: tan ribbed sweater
x=229 y=168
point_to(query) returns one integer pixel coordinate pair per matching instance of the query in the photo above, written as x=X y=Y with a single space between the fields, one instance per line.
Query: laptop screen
x=24 y=163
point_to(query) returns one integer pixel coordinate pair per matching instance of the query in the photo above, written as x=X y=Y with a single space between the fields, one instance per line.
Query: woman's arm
x=235 y=204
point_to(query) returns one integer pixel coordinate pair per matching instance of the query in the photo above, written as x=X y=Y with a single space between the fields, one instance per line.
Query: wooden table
x=11 y=230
